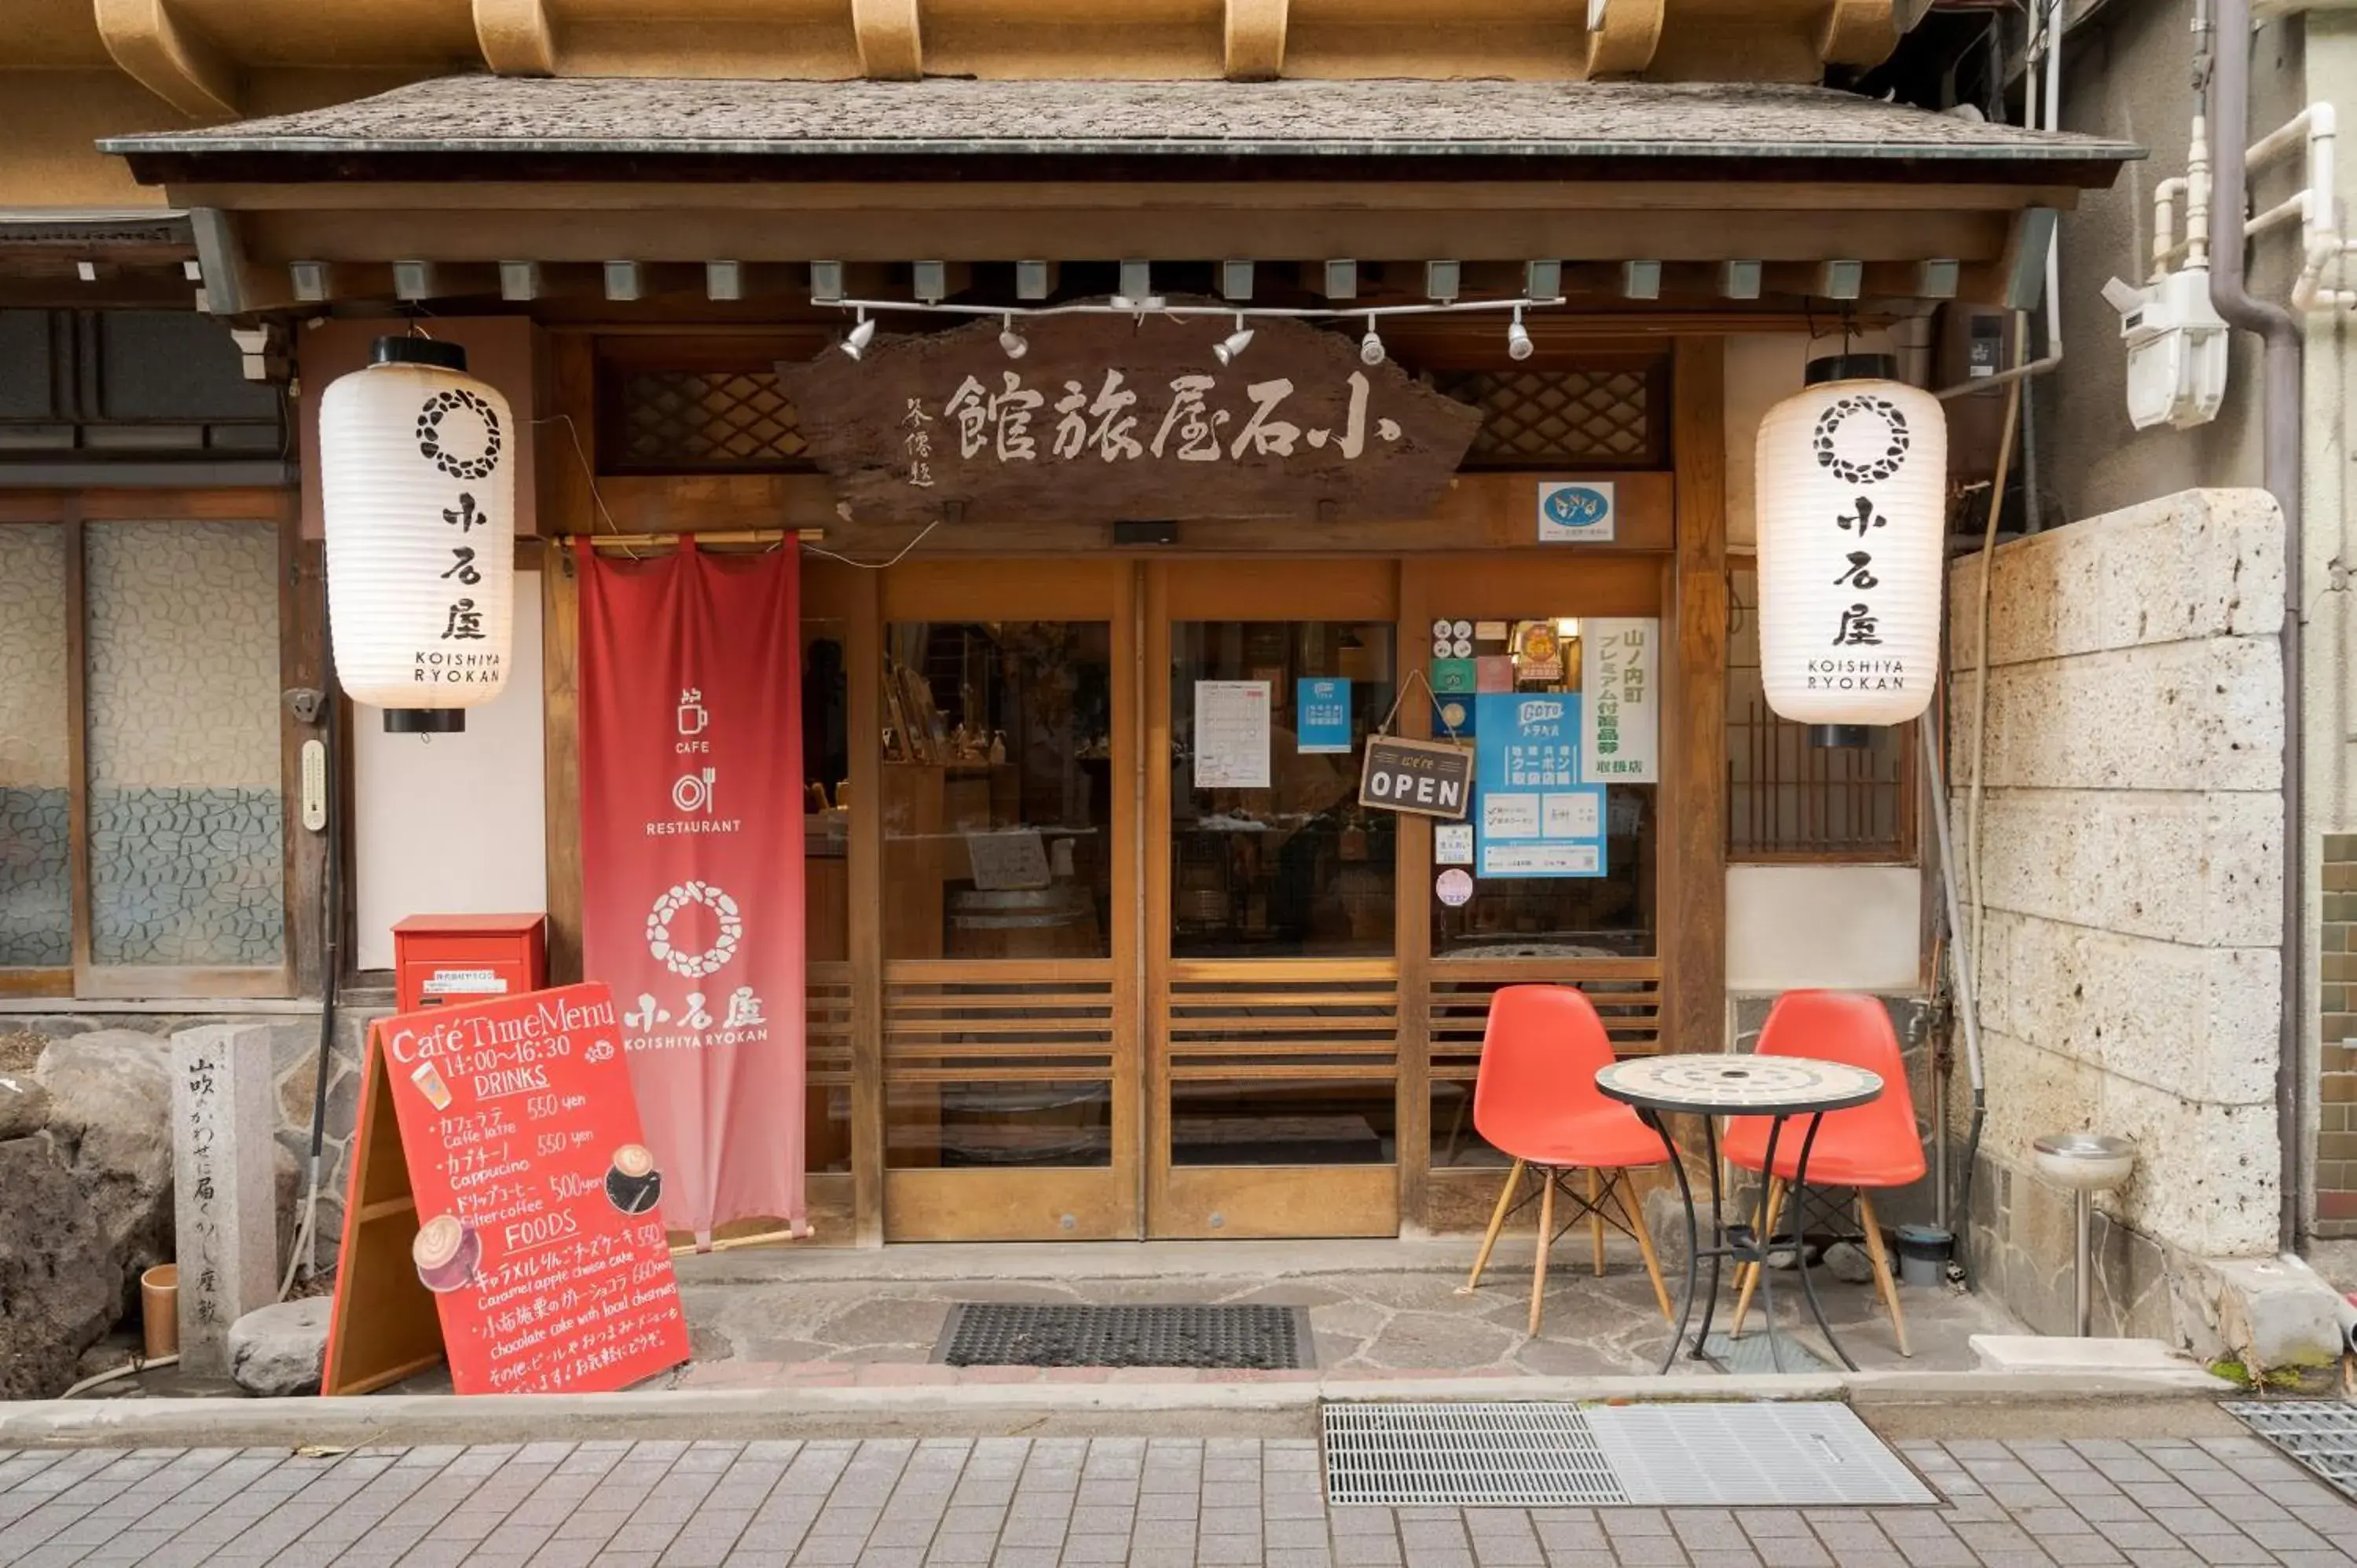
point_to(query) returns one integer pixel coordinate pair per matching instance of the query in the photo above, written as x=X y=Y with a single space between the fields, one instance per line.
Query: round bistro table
x=1713 y=1085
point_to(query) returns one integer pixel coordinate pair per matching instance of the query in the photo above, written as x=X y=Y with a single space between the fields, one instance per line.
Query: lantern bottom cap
x=424 y=721
x=1835 y=737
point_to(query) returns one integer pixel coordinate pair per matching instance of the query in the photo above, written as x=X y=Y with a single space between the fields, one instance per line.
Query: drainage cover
x=1502 y=1454
x=1752 y=1354
x=1752 y=1456
x=2319 y=1433
x=1029 y=1333
x=1535 y=1454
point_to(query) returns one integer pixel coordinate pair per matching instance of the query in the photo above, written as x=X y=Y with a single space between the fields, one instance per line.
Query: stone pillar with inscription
x=223 y=1185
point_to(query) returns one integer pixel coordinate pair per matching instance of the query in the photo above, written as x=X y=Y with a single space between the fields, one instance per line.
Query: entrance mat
x=1649 y=1456
x=1030 y=1333
x=2319 y=1433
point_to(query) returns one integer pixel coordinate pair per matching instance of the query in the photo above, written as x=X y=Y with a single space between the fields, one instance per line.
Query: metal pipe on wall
x=2279 y=329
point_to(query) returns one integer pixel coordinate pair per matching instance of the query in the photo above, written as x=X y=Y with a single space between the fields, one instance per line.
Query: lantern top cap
x=1852 y=367
x=410 y=350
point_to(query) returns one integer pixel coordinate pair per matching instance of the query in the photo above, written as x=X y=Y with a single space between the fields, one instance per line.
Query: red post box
x=444 y=960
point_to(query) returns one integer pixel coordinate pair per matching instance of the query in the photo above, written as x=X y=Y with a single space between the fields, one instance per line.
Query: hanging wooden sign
x=1422 y=777
x=1112 y=417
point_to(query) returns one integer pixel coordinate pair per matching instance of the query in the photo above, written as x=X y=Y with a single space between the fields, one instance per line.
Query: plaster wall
x=457 y=825
x=2128 y=971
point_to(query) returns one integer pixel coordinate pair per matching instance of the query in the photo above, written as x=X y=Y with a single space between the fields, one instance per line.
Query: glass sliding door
x=1275 y=1015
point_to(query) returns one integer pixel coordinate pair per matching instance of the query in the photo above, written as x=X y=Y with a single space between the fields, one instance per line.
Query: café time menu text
x=537 y=1229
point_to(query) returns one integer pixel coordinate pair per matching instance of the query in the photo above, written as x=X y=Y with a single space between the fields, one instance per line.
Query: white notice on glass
x=1620 y=719
x=1510 y=816
x=1232 y=735
x=1571 y=817
x=1007 y=862
x=1452 y=843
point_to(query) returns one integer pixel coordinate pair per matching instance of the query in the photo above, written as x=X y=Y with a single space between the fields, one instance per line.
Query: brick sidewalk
x=1151 y=1503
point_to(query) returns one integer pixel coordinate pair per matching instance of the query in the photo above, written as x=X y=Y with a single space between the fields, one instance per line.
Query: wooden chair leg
x=1881 y=1259
x=1546 y=1236
x=1749 y=1274
x=1635 y=1212
x=1497 y=1223
x=1595 y=1222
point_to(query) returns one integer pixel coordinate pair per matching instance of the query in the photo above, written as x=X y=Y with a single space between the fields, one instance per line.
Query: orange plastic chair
x=1868 y=1146
x=1535 y=1099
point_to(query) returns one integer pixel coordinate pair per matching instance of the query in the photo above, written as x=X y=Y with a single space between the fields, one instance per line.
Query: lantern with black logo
x=417 y=491
x=1852 y=496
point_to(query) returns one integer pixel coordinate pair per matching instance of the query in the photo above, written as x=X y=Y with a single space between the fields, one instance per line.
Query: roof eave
x=183 y=159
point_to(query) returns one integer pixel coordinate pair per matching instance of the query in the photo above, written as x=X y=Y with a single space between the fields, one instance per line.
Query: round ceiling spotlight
x=1370 y=347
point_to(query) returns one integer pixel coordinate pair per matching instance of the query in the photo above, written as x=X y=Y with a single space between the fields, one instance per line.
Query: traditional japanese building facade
x=1126 y=587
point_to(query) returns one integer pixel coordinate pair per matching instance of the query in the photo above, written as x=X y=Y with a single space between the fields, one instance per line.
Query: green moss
x=2273 y=1378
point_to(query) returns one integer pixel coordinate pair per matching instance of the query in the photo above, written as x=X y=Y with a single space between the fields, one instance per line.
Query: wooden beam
x=864 y=656
x=1693 y=807
x=170 y=55
x=673 y=225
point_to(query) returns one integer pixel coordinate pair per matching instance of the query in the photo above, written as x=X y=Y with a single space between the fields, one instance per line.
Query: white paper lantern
x=417 y=491
x=1852 y=490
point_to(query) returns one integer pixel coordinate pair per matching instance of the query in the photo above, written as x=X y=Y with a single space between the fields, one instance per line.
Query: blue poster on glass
x=1322 y=717
x=1532 y=817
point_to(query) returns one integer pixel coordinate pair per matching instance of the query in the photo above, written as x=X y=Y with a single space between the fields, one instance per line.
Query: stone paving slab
x=1140 y=1501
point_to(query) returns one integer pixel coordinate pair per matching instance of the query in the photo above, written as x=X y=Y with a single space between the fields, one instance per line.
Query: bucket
x=159 y=1311
x=1924 y=1254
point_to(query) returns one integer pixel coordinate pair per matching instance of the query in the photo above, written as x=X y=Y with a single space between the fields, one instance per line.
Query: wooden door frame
x=1248 y=1200
x=1042 y=1202
x=1498 y=586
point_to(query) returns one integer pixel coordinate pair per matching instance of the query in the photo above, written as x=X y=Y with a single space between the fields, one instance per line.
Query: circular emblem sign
x=695 y=965
x=1454 y=887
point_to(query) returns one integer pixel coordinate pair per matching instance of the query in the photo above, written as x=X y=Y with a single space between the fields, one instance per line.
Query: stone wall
x=295 y=1056
x=2130 y=851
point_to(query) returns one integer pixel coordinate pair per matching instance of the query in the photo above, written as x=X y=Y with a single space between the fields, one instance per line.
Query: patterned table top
x=1717 y=1084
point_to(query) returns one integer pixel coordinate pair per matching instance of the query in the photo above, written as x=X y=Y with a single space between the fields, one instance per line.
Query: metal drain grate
x=1535 y=1456
x=1751 y=1354
x=1531 y=1455
x=1028 y=1334
x=2319 y=1433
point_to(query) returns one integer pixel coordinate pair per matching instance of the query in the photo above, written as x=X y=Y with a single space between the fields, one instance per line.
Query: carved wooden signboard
x=1113 y=416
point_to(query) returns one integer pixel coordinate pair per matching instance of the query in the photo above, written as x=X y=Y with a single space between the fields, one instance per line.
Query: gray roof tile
x=1065 y=118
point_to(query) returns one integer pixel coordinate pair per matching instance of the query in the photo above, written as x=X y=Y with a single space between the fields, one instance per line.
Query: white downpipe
x=2314 y=206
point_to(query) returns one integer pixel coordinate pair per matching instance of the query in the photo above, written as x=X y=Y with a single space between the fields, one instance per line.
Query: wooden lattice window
x=1559 y=418
x=1788 y=800
x=701 y=420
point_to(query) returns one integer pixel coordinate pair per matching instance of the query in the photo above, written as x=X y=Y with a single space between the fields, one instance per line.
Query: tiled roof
x=1391 y=119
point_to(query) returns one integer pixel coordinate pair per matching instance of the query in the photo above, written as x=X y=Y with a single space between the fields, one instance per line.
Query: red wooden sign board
x=502 y=1206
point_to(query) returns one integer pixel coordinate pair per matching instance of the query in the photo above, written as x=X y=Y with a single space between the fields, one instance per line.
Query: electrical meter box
x=447 y=960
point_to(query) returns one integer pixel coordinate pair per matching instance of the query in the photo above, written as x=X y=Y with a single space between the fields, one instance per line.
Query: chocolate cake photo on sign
x=1120 y=416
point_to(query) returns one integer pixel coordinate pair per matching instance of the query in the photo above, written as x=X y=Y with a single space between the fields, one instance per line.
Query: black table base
x=1741 y=1244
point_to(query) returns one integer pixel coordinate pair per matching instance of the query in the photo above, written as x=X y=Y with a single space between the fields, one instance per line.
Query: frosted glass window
x=36 y=776
x=187 y=827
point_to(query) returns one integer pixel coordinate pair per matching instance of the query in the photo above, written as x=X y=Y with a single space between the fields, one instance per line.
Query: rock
x=1665 y=1216
x=111 y=1112
x=24 y=1105
x=1848 y=1261
x=59 y=1284
x=277 y=1352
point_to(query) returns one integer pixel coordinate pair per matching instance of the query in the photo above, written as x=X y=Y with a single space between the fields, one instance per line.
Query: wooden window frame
x=85 y=980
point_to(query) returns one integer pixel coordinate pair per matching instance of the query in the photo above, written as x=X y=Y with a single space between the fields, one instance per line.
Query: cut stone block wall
x=2130 y=858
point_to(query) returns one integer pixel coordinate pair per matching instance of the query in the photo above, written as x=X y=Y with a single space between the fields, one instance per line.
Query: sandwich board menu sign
x=502 y=1206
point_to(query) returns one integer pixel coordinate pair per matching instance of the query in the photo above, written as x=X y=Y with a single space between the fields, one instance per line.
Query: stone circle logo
x=1894 y=441
x=431 y=440
x=712 y=960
